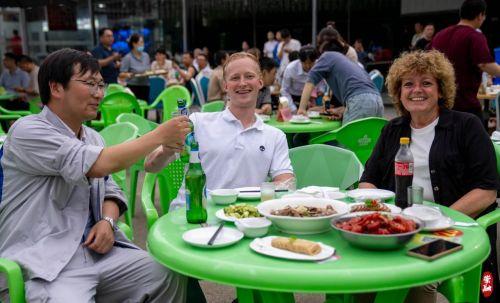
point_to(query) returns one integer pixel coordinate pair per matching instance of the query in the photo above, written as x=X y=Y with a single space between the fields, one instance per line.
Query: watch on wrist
x=110 y=221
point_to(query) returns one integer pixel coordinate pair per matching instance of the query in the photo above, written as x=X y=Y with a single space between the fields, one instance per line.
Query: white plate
x=301 y=121
x=328 y=195
x=200 y=236
x=313 y=115
x=394 y=209
x=443 y=223
x=222 y=216
x=263 y=246
x=371 y=192
x=249 y=196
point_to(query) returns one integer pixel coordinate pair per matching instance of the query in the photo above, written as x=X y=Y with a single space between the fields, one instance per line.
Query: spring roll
x=300 y=246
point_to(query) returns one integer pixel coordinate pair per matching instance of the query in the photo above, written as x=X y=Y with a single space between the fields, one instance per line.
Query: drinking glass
x=415 y=195
x=267 y=191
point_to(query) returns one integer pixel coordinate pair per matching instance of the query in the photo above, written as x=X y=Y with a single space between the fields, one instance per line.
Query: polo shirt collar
x=228 y=116
x=57 y=122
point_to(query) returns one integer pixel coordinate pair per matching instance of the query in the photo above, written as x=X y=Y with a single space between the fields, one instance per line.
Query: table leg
x=258 y=296
x=393 y=296
x=471 y=286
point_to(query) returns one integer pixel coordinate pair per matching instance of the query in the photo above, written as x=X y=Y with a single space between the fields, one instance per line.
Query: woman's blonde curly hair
x=422 y=62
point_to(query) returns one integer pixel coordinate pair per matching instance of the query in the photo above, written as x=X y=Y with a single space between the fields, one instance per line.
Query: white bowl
x=302 y=225
x=224 y=196
x=253 y=227
x=428 y=215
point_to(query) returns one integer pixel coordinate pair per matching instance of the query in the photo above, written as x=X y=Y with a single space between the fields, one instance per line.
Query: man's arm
x=283 y=178
x=475 y=201
x=158 y=159
x=102 y=237
x=115 y=158
x=304 y=99
x=491 y=68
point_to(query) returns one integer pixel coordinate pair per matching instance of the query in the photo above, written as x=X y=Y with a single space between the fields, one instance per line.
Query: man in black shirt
x=108 y=60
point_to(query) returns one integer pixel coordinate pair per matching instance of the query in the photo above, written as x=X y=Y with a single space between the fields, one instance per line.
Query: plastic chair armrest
x=149 y=210
x=329 y=136
x=154 y=104
x=126 y=230
x=9 y=117
x=14 y=112
x=489 y=219
x=15 y=280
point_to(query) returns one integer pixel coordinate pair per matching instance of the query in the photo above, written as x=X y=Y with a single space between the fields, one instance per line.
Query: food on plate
x=304 y=211
x=300 y=246
x=370 y=205
x=241 y=210
x=379 y=224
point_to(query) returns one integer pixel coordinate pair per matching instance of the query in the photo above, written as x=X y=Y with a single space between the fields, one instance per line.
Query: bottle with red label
x=403 y=172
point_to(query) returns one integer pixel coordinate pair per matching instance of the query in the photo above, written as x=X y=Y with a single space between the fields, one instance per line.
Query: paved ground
x=216 y=293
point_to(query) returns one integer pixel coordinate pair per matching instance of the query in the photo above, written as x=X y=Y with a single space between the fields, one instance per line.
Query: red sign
x=487 y=284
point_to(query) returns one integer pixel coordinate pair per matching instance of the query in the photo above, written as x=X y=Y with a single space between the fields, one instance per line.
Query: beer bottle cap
x=404 y=140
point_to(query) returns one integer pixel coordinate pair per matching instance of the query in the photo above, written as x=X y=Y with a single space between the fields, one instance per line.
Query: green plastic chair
x=116 y=134
x=144 y=126
x=35 y=105
x=22 y=113
x=169 y=98
x=169 y=181
x=213 y=106
x=117 y=103
x=325 y=165
x=359 y=136
x=14 y=275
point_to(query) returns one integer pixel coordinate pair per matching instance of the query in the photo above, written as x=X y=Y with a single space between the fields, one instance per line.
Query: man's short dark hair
x=285 y=33
x=59 y=67
x=11 y=56
x=308 y=52
x=219 y=56
x=267 y=64
x=26 y=58
x=161 y=50
x=190 y=54
x=470 y=9
x=294 y=55
x=103 y=30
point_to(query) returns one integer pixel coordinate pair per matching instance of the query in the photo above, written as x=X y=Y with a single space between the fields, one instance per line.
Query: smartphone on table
x=435 y=249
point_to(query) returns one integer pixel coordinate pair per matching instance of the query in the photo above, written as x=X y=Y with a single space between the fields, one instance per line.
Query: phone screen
x=434 y=248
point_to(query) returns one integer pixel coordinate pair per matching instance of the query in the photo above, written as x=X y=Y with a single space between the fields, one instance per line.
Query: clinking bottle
x=195 y=180
x=403 y=172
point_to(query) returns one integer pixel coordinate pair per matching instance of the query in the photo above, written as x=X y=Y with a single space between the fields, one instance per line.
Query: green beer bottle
x=196 y=211
x=182 y=110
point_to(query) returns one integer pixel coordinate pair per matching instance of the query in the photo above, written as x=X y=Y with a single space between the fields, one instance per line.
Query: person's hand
x=19 y=89
x=116 y=56
x=337 y=113
x=174 y=132
x=302 y=112
x=101 y=237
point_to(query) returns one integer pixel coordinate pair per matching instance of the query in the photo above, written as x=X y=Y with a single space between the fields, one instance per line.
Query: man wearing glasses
x=59 y=204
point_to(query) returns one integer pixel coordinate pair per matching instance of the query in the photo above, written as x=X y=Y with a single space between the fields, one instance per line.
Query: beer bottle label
x=403 y=168
x=188 y=199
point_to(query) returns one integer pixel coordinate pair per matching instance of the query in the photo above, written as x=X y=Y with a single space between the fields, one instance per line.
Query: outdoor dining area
x=235 y=247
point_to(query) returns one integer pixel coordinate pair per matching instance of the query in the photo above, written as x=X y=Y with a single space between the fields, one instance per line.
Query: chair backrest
x=198 y=95
x=156 y=86
x=203 y=85
x=117 y=103
x=497 y=153
x=325 y=165
x=169 y=181
x=213 y=106
x=359 y=136
x=169 y=98
x=378 y=79
x=118 y=133
x=113 y=88
x=143 y=125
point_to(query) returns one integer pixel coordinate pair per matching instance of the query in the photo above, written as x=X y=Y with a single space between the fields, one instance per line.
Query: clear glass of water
x=415 y=195
x=267 y=191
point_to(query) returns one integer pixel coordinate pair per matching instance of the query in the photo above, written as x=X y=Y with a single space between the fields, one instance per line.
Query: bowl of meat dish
x=302 y=215
x=377 y=230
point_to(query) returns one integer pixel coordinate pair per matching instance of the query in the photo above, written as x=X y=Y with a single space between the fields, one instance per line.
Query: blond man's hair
x=237 y=56
x=422 y=62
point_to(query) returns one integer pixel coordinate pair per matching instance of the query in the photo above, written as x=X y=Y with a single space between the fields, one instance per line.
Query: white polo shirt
x=234 y=157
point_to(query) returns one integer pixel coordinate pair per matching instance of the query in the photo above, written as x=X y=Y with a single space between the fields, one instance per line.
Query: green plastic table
x=260 y=278
x=316 y=126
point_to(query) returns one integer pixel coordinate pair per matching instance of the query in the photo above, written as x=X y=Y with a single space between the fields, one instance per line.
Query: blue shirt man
x=13 y=77
x=110 y=67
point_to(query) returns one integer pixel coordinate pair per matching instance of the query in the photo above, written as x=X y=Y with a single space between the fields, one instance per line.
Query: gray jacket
x=45 y=195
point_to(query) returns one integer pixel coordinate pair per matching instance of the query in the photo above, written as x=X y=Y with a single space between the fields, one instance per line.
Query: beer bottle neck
x=194 y=157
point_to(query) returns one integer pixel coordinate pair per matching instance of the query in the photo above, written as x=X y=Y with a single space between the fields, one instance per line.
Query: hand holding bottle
x=174 y=132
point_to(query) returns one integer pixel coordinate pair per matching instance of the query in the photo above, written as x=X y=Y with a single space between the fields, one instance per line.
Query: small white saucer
x=200 y=236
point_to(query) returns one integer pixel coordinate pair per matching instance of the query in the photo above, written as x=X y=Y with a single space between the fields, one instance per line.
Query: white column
x=314 y=21
x=23 y=30
x=184 y=26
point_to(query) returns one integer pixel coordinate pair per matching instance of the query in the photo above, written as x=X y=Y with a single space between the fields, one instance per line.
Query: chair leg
x=134 y=175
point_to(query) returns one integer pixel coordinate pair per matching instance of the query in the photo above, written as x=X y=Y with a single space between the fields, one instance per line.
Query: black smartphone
x=435 y=249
